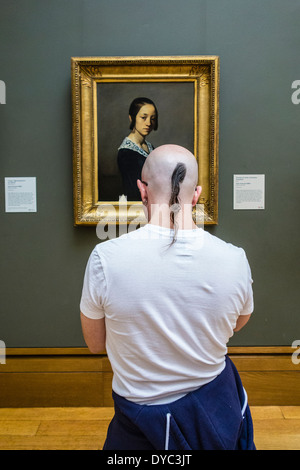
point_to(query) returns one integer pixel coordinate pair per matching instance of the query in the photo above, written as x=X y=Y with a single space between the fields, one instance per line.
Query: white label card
x=20 y=194
x=248 y=192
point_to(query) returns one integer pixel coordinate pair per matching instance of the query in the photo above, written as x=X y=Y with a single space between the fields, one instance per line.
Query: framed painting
x=183 y=94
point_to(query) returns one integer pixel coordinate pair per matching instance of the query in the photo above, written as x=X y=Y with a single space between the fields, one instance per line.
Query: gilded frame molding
x=86 y=73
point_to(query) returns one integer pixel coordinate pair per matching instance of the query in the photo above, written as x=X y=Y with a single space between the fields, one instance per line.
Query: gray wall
x=42 y=255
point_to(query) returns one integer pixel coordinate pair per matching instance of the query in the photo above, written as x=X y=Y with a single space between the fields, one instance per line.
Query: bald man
x=164 y=301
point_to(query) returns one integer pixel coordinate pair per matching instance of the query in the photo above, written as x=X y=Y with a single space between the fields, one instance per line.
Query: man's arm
x=94 y=333
x=241 y=321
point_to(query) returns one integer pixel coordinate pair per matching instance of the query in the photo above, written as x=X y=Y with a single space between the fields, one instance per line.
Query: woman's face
x=145 y=119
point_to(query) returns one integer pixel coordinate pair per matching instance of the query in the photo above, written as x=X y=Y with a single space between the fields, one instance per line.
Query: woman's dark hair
x=178 y=176
x=136 y=106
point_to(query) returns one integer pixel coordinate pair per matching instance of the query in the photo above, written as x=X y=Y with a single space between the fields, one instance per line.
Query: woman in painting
x=134 y=149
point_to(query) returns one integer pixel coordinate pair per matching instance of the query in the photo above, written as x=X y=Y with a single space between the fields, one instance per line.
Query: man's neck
x=160 y=215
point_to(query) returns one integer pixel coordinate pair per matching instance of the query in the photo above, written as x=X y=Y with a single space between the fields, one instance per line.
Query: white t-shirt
x=169 y=311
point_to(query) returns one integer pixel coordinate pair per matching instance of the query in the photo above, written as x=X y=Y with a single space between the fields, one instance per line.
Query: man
x=164 y=301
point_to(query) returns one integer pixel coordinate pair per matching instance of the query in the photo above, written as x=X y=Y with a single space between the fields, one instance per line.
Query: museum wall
x=43 y=256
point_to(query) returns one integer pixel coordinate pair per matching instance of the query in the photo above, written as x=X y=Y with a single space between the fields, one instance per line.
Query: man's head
x=169 y=176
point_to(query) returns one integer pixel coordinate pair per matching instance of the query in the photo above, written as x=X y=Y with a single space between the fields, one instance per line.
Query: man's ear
x=142 y=189
x=196 y=196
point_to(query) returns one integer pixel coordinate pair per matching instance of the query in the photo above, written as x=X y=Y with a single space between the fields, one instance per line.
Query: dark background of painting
x=175 y=105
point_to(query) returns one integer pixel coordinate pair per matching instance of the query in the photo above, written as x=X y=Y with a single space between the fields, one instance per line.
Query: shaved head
x=159 y=168
x=169 y=188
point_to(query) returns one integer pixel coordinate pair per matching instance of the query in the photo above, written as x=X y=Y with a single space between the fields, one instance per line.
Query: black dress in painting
x=131 y=159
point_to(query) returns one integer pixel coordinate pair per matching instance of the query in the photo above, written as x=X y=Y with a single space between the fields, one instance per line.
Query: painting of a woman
x=134 y=149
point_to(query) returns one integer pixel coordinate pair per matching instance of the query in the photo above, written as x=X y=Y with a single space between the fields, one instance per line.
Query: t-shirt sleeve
x=94 y=287
x=249 y=302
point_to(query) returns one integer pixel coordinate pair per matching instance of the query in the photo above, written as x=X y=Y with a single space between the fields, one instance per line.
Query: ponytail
x=178 y=176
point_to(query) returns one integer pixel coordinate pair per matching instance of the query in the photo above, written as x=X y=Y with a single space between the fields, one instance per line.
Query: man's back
x=169 y=310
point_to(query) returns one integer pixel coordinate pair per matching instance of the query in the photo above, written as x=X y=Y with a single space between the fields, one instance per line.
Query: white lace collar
x=128 y=144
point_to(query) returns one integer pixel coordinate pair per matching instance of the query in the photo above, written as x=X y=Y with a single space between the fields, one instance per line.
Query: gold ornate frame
x=87 y=72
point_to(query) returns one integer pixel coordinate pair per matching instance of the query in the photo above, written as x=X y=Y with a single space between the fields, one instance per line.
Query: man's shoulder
x=223 y=246
x=121 y=241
